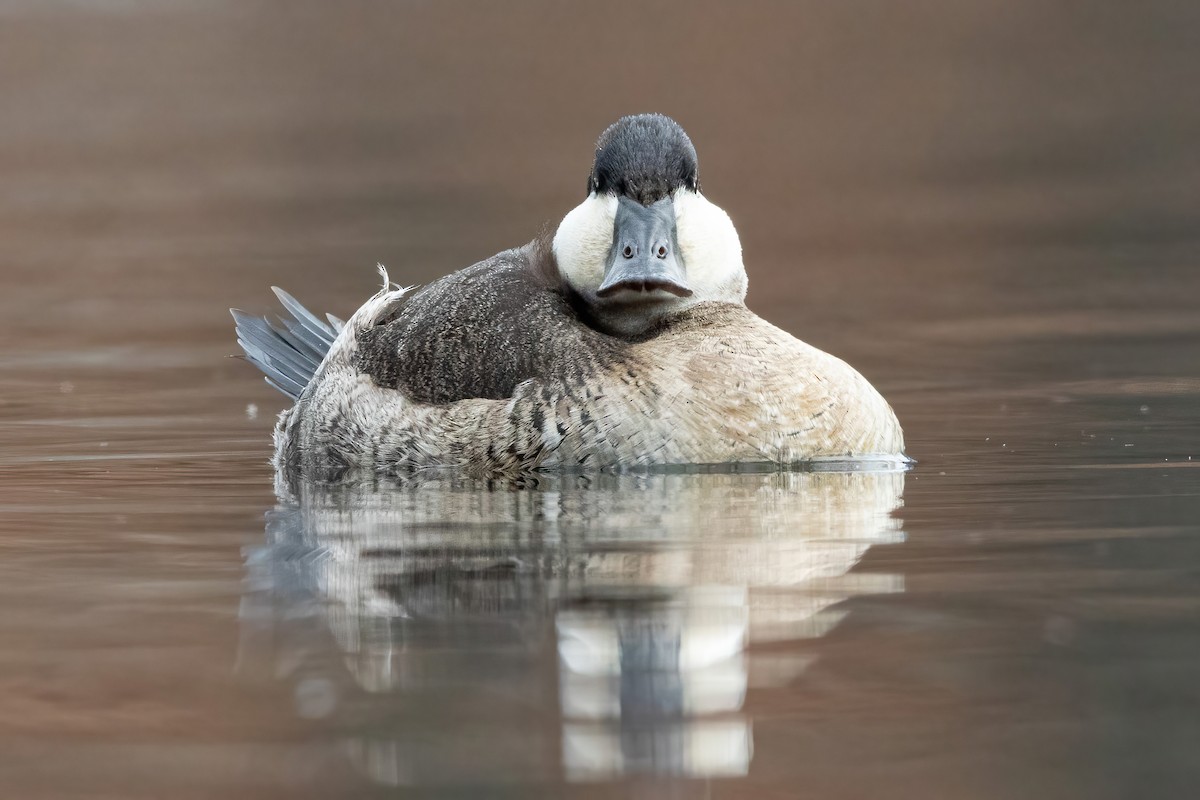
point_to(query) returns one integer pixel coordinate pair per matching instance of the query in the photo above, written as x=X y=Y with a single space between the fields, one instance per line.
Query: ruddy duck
x=621 y=341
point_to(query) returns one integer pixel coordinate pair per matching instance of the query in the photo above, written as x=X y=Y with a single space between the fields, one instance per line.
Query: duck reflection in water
x=583 y=628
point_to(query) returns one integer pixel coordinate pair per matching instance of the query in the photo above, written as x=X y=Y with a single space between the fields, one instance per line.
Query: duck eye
x=662 y=251
x=627 y=252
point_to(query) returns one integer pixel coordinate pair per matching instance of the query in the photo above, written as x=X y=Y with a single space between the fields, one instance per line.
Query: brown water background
x=991 y=209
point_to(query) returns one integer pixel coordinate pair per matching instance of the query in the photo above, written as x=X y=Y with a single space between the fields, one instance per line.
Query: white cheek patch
x=583 y=240
x=712 y=252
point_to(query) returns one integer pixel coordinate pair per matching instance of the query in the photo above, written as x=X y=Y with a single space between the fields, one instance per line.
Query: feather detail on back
x=718 y=385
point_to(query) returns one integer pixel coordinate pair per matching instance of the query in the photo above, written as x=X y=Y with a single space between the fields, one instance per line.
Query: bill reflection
x=583 y=629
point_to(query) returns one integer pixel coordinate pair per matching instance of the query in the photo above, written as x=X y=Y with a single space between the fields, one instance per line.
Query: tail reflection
x=582 y=629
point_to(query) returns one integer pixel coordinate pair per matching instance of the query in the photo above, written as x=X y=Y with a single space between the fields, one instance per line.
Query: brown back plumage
x=481 y=331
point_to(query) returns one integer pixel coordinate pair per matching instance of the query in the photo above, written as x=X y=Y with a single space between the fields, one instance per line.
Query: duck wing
x=481 y=331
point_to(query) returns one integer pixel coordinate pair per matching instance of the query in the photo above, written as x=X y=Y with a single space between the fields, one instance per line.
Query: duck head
x=646 y=244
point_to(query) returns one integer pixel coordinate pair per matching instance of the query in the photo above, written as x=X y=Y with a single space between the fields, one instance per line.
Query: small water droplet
x=251 y=411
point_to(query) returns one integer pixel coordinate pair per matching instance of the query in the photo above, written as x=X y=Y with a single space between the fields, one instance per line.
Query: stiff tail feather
x=290 y=349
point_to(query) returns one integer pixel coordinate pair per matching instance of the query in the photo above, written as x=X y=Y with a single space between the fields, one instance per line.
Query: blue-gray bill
x=645 y=252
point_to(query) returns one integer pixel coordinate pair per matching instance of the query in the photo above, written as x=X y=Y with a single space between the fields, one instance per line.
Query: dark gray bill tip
x=644 y=285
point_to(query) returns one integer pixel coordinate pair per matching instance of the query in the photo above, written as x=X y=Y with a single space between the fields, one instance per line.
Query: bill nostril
x=628 y=251
x=662 y=251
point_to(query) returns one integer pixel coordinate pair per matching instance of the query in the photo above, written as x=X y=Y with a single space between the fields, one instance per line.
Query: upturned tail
x=290 y=349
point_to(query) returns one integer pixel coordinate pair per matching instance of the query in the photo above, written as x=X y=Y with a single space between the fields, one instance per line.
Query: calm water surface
x=993 y=212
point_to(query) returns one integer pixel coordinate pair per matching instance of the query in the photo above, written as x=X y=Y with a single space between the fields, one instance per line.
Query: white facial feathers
x=708 y=243
x=712 y=252
x=583 y=240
